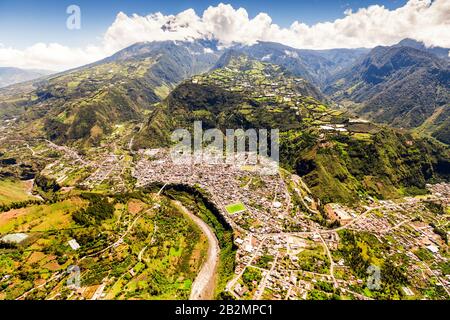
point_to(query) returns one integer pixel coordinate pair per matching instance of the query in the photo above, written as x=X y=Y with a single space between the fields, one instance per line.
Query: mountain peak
x=228 y=57
x=442 y=53
x=408 y=42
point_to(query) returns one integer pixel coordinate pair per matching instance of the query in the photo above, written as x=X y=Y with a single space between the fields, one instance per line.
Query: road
x=327 y=250
x=233 y=281
x=205 y=283
x=325 y=231
x=262 y=286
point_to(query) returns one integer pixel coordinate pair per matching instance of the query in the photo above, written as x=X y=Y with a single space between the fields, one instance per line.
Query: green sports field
x=235 y=208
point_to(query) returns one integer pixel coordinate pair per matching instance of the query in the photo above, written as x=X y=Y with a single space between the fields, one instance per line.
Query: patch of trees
x=7 y=245
x=442 y=233
x=250 y=275
x=352 y=254
x=125 y=197
x=392 y=274
x=292 y=145
x=55 y=129
x=46 y=187
x=156 y=283
x=435 y=207
x=23 y=204
x=317 y=295
x=263 y=261
x=392 y=277
x=305 y=167
x=325 y=286
x=46 y=184
x=313 y=262
x=99 y=209
x=8 y=161
x=226 y=296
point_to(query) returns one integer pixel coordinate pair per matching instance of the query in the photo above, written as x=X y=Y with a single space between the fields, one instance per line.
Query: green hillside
x=244 y=94
x=341 y=160
x=352 y=166
x=400 y=86
x=84 y=104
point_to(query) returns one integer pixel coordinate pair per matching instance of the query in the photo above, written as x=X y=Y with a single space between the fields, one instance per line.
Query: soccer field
x=235 y=208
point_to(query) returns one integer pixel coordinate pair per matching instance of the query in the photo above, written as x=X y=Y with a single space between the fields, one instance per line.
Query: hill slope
x=341 y=159
x=85 y=103
x=242 y=93
x=399 y=85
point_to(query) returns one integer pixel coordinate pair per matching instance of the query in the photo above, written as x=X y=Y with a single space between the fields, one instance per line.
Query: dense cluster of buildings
x=265 y=197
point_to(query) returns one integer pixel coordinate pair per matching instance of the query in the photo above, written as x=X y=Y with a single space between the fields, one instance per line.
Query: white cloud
x=419 y=19
x=51 y=56
x=423 y=20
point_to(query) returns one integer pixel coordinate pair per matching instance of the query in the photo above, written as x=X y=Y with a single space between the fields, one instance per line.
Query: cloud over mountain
x=423 y=20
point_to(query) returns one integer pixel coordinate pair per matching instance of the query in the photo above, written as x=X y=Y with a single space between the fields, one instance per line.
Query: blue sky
x=25 y=22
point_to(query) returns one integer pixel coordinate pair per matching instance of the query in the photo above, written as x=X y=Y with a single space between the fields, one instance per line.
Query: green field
x=235 y=208
x=13 y=191
x=159 y=258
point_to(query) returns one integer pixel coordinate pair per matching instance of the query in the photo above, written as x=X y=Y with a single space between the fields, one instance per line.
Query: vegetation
x=13 y=191
x=99 y=209
x=251 y=276
x=314 y=260
x=386 y=83
x=171 y=248
x=46 y=187
x=346 y=169
x=361 y=250
x=263 y=261
x=196 y=201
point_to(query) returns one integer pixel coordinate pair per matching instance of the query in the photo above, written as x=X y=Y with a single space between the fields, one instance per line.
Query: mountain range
x=312 y=96
x=405 y=85
x=401 y=85
x=85 y=103
x=9 y=76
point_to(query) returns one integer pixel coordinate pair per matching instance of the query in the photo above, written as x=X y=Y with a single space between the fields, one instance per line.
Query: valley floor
x=204 y=284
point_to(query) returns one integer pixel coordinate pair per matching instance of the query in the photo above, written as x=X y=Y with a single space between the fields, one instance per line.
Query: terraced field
x=145 y=249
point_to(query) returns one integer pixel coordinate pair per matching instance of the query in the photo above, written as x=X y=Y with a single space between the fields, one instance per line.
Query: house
x=240 y=290
x=74 y=244
x=336 y=213
x=14 y=238
x=433 y=248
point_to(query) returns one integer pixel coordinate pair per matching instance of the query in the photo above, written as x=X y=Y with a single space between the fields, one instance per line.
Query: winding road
x=204 y=285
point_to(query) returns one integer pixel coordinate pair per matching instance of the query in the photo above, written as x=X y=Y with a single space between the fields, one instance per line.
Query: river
x=205 y=282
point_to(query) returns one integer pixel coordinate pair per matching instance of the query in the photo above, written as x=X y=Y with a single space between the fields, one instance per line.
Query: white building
x=74 y=244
